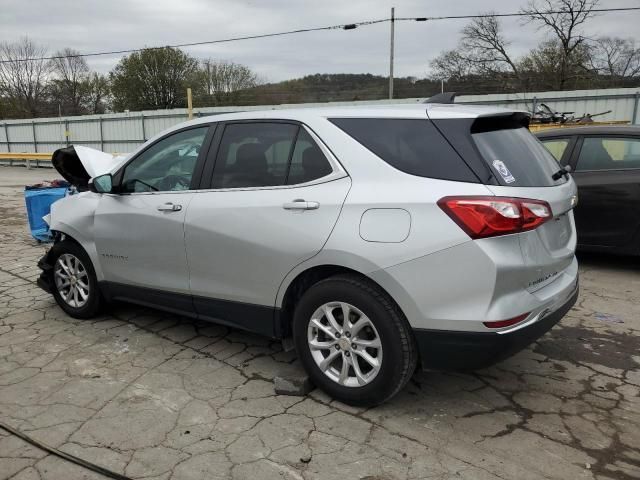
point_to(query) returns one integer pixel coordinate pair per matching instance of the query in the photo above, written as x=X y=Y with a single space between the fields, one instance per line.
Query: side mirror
x=101 y=184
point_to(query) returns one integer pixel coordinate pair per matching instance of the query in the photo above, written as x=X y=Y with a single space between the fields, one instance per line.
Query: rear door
x=607 y=171
x=274 y=196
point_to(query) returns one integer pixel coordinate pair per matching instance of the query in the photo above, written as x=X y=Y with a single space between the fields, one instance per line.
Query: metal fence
x=123 y=132
x=623 y=102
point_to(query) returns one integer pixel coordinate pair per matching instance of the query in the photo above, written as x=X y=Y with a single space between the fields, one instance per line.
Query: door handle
x=169 y=207
x=300 y=204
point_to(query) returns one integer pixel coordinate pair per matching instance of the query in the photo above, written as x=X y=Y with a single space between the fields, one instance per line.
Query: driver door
x=139 y=231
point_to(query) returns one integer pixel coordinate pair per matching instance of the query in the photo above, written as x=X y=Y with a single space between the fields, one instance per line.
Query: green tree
x=97 y=94
x=154 y=78
x=543 y=64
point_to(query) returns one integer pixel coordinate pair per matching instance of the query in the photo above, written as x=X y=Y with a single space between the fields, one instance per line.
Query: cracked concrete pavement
x=155 y=396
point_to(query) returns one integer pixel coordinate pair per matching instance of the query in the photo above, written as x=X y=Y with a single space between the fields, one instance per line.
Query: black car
x=605 y=163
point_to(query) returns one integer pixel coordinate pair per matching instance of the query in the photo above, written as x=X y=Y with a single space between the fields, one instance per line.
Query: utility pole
x=393 y=23
x=189 y=104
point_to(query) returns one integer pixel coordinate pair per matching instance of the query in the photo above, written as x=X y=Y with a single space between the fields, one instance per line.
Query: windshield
x=517 y=158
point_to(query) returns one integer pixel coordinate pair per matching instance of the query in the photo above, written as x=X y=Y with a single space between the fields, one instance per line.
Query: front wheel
x=75 y=287
x=353 y=340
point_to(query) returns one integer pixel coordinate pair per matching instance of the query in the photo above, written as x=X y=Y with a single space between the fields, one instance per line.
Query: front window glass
x=167 y=165
x=602 y=153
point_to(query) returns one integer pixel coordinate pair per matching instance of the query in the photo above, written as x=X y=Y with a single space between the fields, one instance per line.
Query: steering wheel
x=170 y=182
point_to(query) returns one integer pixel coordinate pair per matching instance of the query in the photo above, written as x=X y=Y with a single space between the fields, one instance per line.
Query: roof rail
x=444 y=97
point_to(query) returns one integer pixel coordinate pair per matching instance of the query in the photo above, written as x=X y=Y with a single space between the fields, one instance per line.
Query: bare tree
x=451 y=65
x=223 y=79
x=70 y=85
x=485 y=46
x=563 y=18
x=615 y=57
x=23 y=75
x=483 y=52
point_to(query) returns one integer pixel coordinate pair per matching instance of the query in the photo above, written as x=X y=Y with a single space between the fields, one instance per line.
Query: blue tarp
x=39 y=200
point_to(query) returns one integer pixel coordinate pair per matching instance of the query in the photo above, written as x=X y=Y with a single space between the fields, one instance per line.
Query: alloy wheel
x=345 y=344
x=71 y=280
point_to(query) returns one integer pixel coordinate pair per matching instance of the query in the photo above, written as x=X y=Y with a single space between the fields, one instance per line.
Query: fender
x=74 y=216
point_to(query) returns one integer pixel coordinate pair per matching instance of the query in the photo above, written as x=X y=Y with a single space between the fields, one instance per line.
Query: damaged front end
x=79 y=164
x=45 y=280
x=72 y=216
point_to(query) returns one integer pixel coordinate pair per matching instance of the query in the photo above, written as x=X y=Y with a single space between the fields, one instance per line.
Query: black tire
x=398 y=346
x=94 y=302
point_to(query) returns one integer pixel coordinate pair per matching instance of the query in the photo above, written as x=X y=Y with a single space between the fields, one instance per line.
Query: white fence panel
x=123 y=132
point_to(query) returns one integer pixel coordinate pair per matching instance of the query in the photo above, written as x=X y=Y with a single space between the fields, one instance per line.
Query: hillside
x=335 y=87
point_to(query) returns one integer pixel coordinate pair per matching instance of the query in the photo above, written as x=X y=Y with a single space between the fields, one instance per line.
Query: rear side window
x=307 y=162
x=556 y=147
x=602 y=153
x=410 y=145
x=516 y=157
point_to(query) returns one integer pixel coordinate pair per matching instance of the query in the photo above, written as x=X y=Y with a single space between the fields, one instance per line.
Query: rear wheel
x=353 y=340
x=75 y=286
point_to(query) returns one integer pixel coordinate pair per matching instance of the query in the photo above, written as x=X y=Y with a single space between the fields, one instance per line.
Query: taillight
x=482 y=217
x=506 y=323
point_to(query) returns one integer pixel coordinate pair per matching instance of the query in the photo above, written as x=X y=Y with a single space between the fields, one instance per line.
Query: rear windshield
x=411 y=145
x=517 y=158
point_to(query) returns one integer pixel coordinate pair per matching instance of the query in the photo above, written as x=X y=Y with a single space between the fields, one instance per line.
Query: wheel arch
x=73 y=217
x=304 y=279
x=63 y=231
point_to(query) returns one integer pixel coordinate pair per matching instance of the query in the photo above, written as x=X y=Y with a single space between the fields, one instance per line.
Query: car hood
x=78 y=164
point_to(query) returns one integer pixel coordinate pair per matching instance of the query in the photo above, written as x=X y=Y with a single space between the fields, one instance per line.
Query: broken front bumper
x=45 y=280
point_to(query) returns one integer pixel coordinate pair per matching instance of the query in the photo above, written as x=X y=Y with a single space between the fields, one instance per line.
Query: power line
x=518 y=14
x=345 y=26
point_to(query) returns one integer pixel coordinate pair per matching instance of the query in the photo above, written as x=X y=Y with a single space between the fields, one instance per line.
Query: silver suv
x=377 y=237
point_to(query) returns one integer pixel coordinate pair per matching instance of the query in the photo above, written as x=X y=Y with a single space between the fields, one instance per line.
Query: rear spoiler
x=500 y=121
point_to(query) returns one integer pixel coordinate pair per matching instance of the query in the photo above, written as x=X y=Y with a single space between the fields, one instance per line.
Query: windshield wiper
x=563 y=172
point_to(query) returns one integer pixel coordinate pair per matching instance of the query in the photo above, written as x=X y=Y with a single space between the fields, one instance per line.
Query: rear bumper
x=455 y=350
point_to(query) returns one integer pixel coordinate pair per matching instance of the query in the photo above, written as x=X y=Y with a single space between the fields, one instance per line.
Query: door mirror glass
x=101 y=184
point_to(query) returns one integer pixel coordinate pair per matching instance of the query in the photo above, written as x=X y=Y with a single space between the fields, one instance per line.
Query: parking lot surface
x=155 y=396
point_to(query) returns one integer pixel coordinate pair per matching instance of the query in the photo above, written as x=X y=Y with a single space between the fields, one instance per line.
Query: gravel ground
x=155 y=396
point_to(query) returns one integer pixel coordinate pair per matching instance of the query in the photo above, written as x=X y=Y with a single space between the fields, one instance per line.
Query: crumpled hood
x=78 y=164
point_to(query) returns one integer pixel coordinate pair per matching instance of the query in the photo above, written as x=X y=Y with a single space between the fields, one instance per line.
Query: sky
x=91 y=25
